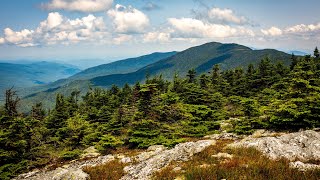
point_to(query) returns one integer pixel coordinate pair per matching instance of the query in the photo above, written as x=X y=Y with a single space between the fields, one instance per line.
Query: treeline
x=270 y=96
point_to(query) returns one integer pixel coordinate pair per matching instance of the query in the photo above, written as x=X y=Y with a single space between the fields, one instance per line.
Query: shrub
x=110 y=171
x=107 y=143
x=70 y=155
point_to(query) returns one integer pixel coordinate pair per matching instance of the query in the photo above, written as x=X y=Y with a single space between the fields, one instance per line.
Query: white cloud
x=157 y=37
x=302 y=28
x=128 y=19
x=20 y=38
x=2 y=41
x=122 y=38
x=193 y=28
x=273 y=31
x=58 y=29
x=54 y=19
x=88 y=28
x=225 y=16
x=79 y=5
x=297 y=31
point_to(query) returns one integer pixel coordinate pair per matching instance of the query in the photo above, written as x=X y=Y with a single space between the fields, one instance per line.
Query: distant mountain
x=122 y=66
x=201 y=58
x=80 y=81
x=37 y=73
x=298 y=53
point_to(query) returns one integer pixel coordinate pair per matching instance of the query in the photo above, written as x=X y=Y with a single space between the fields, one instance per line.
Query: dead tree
x=12 y=101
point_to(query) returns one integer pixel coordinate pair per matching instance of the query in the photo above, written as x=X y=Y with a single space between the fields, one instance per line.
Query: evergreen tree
x=204 y=81
x=294 y=61
x=215 y=74
x=191 y=76
x=38 y=112
x=316 y=53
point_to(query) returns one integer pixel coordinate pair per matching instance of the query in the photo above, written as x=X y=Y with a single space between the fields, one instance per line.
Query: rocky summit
x=151 y=162
x=302 y=146
x=155 y=158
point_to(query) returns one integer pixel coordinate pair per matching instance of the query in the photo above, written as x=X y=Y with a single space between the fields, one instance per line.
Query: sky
x=70 y=30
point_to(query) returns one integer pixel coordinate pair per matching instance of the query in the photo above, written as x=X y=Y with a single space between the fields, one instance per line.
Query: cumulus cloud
x=193 y=28
x=296 y=31
x=226 y=16
x=54 y=19
x=2 y=41
x=128 y=20
x=273 y=31
x=122 y=38
x=79 y=5
x=20 y=38
x=157 y=37
x=88 y=28
x=302 y=28
x=58 y=29
x=220 y=16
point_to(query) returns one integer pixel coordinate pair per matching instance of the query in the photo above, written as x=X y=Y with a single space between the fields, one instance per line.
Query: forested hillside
x=80 y=81
x=122 y=66
x=201 y=58
x=267 y=95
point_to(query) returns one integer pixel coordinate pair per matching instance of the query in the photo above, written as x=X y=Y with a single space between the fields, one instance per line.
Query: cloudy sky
x=114 y=29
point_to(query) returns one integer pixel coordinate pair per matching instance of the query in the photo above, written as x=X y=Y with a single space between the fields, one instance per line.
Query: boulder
x=71 y=171
x=161 y=157
x=304 y=145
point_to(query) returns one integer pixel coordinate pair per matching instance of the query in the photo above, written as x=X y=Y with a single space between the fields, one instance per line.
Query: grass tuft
x=110 y=171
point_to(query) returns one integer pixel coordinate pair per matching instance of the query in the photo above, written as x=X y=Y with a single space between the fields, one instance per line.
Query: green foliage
x=144 y=133
x=200 y=120
x=243 y=126
x=70 y=155
x=8 y=171
x=108 y=142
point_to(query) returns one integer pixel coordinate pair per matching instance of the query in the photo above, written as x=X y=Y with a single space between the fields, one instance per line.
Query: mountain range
x=81 y=81
x=201 y=58
x=32 y=74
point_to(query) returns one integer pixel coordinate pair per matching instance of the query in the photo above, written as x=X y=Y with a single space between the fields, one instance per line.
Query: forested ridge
x=265 y=96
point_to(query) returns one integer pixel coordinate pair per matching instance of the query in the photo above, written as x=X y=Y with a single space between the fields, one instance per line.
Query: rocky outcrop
x=224 y=136
x=300 y=148
x=159 y=157
x=146 y=163
x=303 y=146
x=90 y=152
x=303 y=166
x=72 y=171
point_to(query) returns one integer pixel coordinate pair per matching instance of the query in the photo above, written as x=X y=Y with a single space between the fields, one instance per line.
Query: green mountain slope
x=201 y=58
x=122 y=66
x=46 y=93
x=117 y=67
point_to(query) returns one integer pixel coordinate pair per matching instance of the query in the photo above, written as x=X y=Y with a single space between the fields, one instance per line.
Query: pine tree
x=191 y=76
x=294 y=61
x=316 y=53
x=204 y=81
x=38 y=112
x=215 y=74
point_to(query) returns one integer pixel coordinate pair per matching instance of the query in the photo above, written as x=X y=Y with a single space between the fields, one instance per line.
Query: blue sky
x=114 y=29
